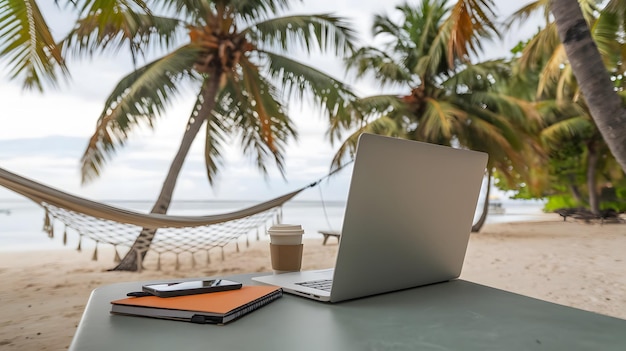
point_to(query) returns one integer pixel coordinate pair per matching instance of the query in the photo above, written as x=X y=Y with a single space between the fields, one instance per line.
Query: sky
x=42 y=136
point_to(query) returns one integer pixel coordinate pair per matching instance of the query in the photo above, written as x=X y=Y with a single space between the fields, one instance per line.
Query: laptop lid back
x=408 y=216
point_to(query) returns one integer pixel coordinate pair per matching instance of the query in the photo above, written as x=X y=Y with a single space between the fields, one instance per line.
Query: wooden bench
x=328 y=233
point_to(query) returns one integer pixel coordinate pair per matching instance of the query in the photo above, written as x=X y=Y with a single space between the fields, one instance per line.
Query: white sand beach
x=571 y=263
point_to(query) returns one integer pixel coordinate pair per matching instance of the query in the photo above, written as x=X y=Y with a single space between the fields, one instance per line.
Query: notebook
x=213 y=308
x=407 y=221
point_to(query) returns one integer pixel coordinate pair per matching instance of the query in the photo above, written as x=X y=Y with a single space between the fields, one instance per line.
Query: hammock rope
x=104 y=224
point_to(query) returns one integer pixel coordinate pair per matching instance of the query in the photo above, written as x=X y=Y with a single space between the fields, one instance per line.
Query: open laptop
x=407 y=221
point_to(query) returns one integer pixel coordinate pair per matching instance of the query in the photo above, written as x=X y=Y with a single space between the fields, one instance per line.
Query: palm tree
x=233 y=56
x=447 y=99
x=27 y=43
x=605 y=105
x=577 y=128
x=566 y=113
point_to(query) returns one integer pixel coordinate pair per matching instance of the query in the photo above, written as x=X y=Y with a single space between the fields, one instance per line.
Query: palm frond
x=485 y=86
x=590 y=9
x=575 y=126
x=567 y=88
x=498 y=125
x=324 y=32
x=248 y=10
x=385 y=69
x=194 y=11
x=528 y=11
x=486 y=75
x=484 y=135
x=97 y=33
x=252 y=107
x=251 y=10
x=435 y=61
x=419 y=28
x=420 y=42
x=28 y=45
x=364 y=111
x=553 y=69
x=616 y=6
x=215 y=137
x=554 y=111
x=383 y=125
x=439 y=121
x=541 y=46
x=383 y=25
x=298 y=79
x=138 y=98
x=470 y=22
x=109 y=8
x=606 y=32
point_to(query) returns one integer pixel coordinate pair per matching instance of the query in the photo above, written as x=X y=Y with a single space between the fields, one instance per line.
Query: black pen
x=139 y=294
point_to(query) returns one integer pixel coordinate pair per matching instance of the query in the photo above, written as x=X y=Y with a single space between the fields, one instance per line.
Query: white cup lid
x=286 y=229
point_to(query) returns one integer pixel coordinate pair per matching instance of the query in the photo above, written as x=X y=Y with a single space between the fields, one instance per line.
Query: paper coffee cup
x=286 y=247
x=286 y=258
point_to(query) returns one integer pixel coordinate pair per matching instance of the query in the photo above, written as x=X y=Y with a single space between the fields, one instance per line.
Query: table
x=456 y=315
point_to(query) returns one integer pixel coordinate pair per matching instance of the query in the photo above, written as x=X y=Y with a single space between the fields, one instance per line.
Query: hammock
x=106 y=224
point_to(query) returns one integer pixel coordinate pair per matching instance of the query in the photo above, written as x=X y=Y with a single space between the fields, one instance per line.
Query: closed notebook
x=215 y=308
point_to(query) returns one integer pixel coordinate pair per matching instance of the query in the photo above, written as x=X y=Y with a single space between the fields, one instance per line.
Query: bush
x=557 y=202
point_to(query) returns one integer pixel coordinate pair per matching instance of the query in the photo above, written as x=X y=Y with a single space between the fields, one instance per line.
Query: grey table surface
x=456 y=315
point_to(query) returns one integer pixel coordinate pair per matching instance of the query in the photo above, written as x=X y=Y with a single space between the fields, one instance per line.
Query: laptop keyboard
x=324 y=284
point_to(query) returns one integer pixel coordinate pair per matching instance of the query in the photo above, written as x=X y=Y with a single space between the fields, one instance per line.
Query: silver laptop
x=407 y=222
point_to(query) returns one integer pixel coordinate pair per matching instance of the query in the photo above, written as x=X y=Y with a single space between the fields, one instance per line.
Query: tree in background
x=606 y=107
x=445 y=98
x=579 y=158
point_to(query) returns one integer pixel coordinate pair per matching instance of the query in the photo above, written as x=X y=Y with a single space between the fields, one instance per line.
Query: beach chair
x=328 y=233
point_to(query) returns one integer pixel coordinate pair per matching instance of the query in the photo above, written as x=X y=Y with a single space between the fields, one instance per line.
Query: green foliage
x=27 y=45
x=556 y=202
x=446 y=98
x=614 y=197
x=573 y=146
x=566 y=166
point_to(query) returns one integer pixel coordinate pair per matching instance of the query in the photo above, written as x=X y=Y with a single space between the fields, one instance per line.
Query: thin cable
x=322 y=195
x=324 y=209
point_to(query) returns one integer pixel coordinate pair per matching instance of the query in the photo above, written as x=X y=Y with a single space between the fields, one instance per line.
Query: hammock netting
x=104 y=224
x=176 y=241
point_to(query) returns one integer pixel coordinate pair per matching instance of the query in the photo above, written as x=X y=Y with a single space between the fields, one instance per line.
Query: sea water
x=21 y=221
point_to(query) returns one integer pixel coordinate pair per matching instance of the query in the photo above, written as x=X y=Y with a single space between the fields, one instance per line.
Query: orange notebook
x=215 y=308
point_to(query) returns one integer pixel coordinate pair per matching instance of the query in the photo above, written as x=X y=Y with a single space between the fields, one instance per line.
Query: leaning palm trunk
x=483 y=216
x=592 y=162
x=133 y=259
x=604 y=104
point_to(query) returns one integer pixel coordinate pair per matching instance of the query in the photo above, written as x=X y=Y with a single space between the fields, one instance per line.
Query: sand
x=582 y=265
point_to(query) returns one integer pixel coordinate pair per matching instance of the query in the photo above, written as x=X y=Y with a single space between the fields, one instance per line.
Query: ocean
x=21 y=221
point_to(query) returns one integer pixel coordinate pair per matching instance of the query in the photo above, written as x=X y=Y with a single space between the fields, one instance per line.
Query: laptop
x=407 y=221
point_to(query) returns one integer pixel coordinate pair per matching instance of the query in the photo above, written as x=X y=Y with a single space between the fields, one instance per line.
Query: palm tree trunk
x=592 y=162
x=133 y=260
x=594 y=81
x=483 y=216
x=574 y=190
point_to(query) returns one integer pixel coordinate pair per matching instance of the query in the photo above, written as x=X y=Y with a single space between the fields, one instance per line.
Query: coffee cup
x=286 y=247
